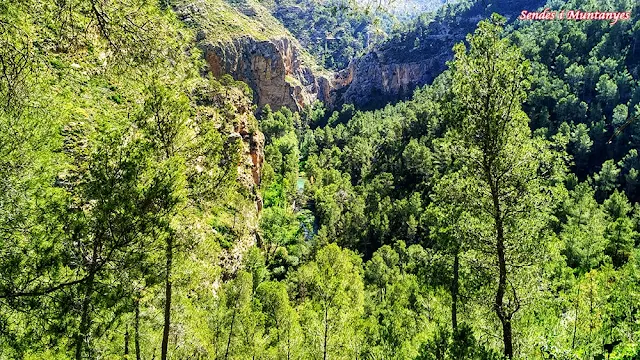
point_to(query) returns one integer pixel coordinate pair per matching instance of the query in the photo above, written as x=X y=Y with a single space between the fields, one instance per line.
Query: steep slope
x=414 y=58
x=139 y=170
x=585 y=90
x=334 y=37
x=243 y=39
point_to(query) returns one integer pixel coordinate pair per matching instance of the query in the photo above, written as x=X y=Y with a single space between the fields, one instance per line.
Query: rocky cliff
x=241 y=38
x=253 y=47
x=245 y=225
x=252 y=155
x=414 y=58
x=372 y=81
x=236 y=118
x=273 y=68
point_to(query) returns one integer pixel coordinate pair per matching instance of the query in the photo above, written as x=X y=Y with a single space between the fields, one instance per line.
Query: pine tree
x=506 y=172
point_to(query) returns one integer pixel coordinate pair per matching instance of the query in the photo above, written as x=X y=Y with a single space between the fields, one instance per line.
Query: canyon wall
x=279 y=73
x=272 y=68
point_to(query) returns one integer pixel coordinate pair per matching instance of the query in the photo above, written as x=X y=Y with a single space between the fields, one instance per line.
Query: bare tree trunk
x=86 y=303
x=137 y=329
x=507 y=338
x=503 y=314
x=167 y=303
x=84 y=322
x=126 y=343
x=575 y=323
x=454 y=292
x=326 y=331
x=504 y=317
x=233 y=320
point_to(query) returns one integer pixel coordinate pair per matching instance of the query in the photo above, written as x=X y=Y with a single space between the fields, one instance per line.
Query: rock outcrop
x=370 y=81
x=272 y=68
x=252 y=157
x=245 y=134
x=238 y=121
x=278 y=77
x=395 y=68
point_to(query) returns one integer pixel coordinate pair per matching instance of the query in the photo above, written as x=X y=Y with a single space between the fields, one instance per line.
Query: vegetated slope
x=415 y=56
x=400 y=187
x=331 y=32
x=282 y=73
x=584 y=93
x=127 y=174
x=124 y=169
x=242 y=39
x=336 y=32
x=395 y=176
x=406 y=10
x=585 y=87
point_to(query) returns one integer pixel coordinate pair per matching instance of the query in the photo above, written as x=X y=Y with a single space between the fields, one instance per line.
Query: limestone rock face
x=278 y=77
x=241 y=130
x=272 y=68
x=249 y=175
x=370 y=80
x=252 y=149
x=396 y=67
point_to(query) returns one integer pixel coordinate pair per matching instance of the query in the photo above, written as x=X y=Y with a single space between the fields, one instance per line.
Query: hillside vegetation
x=148 y=212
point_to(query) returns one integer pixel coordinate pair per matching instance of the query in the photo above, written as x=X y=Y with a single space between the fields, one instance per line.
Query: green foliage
x=281 y=319
x=583 y=230
x=114 y=152
x=331 y=289
x=585 y=80
x=333 y=32
x=429 y=229
x=283 y=243
x=620 y=232
x=509 y=177
x=460 y=344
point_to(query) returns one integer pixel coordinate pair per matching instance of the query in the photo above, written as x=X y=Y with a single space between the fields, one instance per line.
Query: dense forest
x=329 y=31
x=149 y=210
x=336 y=31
